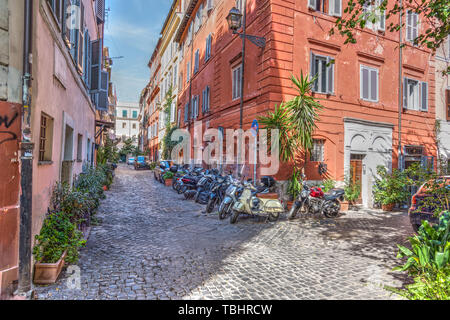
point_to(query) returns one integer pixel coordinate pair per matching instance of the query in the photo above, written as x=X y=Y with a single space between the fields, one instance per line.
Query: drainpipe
x=241 y=111
x=191 y=75
x=400 y=91
x=27 y=146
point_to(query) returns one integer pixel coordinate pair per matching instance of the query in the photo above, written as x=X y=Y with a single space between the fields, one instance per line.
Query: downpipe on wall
x=26 y=171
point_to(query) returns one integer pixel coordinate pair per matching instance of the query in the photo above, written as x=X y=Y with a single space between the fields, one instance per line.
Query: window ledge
x=45 y=163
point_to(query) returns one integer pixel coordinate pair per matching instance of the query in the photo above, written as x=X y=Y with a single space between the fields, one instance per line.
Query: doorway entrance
x=356 y=172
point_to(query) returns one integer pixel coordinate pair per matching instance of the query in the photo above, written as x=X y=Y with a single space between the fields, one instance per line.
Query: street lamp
x=235 y=22
x=234 y=19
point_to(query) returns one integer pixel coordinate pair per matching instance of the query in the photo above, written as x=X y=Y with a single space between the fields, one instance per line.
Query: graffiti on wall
x=7 y=121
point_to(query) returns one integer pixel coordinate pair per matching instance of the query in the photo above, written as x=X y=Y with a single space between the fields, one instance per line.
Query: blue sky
x=132 y=31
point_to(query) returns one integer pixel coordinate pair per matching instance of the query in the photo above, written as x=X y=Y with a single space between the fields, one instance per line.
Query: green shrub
x=352 y=190
x=329 y=185
x=69 y=209
x=295 y=186
x=428 y=261
x=58 y=234
x=168 y=175
x=390 y=188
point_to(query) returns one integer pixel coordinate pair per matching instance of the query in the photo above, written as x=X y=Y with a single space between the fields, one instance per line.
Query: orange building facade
x=359 y=126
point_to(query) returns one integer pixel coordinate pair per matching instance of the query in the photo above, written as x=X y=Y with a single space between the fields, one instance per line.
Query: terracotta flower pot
x=345 y=206
x=47 y=273
x=289 y=205
x=388 y=207
x=168 y=182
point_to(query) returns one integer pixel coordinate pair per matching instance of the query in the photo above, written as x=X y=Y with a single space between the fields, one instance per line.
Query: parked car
x=131 y=161
x=163 y=166
x=418 y=212
x=142 y=162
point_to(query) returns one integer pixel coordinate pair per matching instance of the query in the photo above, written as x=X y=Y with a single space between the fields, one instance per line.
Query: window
x=124 y=114
x=374 y=17
x=323 y=68
x=240 y=5
x=57 y=8
x=412 y=26
x=415 y=95
x=172 y=112
x=209 y=5
x=237 y=77
x=188 y=71
x=206 y=100
x=208 y=48
x=124 y=125
x=46 y=138
x=197 y=60
x=317 y=152
x=194 y=114
x=198 y=18
x=88 y=150
x=134 y=125
x=369 y=84
x=135 y=114
x=186 y=112
x=80 y=148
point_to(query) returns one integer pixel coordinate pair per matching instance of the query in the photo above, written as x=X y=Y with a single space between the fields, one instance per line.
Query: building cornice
x=187 y=16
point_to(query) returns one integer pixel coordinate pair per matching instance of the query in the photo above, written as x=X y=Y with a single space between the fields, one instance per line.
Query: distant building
x=127 y=121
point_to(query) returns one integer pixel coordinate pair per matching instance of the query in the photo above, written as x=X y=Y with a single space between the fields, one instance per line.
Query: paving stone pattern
x=151 y=244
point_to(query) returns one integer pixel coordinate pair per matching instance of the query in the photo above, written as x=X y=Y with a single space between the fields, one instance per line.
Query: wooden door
x=356 y=168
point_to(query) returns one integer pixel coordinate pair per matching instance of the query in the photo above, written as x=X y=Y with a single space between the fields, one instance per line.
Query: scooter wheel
x=333 y=210
x=293 y=212
x=211 y=205
x=274 y=217
x=234 y=217
x=182 y=189
x=223 y=211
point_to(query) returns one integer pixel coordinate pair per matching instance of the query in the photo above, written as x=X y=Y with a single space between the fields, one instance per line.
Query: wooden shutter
x=209 y=5
x=374 y=85
x=409 y=26
x=100 y=10
x=103 y=102
x=405 y=93
x=381 y=16
x=335 y=8
x=424 y=96
x=208 y=95
x=96 y=60
x=364 y=83
x=197 y=60
x=330 y=75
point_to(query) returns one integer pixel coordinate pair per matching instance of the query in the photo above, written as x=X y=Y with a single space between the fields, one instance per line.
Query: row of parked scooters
x=233 y=197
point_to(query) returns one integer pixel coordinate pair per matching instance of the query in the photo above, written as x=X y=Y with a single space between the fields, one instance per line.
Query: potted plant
x=168 y=178
x=352 y=193
x=389 y=189
x=294 y=187
x=57 y=243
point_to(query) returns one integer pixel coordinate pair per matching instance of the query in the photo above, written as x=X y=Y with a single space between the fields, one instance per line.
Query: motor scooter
x=249 y=203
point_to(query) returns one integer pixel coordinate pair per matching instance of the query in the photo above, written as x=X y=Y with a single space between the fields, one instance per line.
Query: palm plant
x=304 y=112
x=296 y=121
x=281 y=120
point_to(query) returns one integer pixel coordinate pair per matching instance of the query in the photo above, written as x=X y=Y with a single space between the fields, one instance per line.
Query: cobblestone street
x=151 y=244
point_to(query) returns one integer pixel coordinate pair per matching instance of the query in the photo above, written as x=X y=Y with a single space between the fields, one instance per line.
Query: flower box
x=48 y=273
